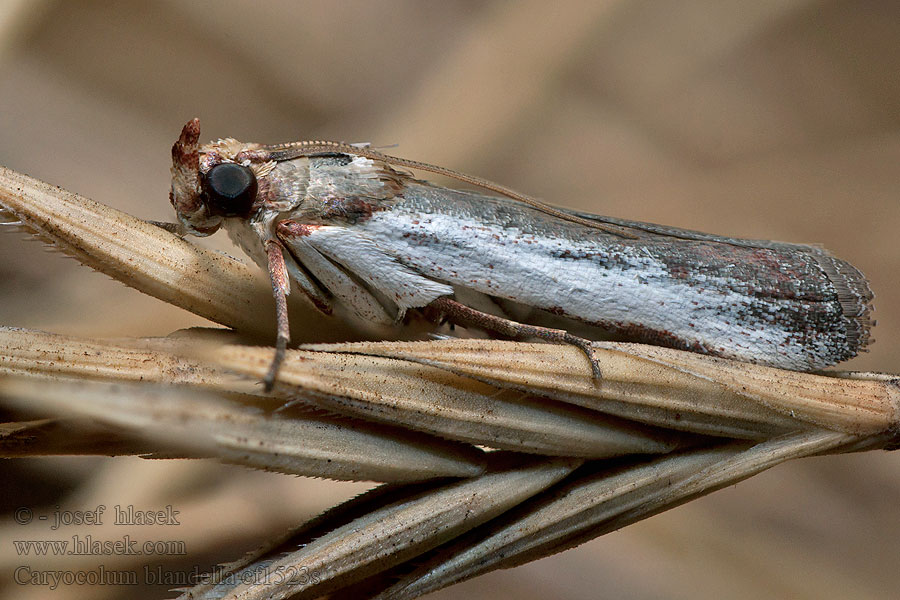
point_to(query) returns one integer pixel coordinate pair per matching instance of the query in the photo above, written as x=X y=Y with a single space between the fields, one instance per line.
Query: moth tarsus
x=351 y=230
x=466 y=316
x=272 y=374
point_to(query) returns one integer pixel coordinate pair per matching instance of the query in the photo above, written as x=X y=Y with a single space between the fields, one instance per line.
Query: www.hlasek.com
x=86 y=545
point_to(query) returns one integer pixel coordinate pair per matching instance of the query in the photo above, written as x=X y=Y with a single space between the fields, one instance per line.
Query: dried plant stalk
x=139 y=254
x=601 y=500
x=202 y=425
x=391 y=391
x=28 y=351
x=598 y=498
x=433 y=400
x=665 y=387
x=397 y=532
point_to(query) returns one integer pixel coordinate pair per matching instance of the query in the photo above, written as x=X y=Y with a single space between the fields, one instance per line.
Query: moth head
x=214 y=182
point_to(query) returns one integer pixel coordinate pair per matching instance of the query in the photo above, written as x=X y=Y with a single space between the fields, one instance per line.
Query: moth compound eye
x=231 y=189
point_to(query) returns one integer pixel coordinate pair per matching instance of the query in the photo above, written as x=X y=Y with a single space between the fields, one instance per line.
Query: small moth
x=350 y=228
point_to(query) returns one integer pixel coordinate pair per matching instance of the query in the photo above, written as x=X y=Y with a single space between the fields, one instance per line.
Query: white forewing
x=350 y=293
x=308 y=286
x=362 y=257
x=501 y=261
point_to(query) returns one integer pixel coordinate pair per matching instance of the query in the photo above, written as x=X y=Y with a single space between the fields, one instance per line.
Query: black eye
x=231 y=189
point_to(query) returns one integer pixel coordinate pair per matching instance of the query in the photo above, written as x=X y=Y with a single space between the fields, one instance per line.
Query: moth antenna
x=280 y=289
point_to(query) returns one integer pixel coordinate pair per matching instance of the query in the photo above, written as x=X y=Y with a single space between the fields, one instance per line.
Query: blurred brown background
x=775 y=119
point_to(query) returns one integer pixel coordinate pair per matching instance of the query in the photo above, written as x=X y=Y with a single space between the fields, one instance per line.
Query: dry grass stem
x=139 y=254
x=185 y=422
x=398 y=532
x=599 y=499
x=668 y=388
x=428 y=399
x=31 y=352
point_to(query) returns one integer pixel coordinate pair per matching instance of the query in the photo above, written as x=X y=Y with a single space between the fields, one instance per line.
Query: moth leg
x=465 y=315
x=306 y=284
x=295 y=238
x=280 y=289
x=170 y=227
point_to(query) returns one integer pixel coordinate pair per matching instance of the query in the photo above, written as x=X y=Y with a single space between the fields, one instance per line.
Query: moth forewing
x=354 y=231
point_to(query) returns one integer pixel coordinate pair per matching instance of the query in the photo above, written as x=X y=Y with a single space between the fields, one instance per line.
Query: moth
x=350 y=226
